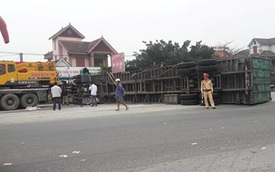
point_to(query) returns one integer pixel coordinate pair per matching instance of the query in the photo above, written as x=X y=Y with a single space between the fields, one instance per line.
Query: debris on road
x=7 y=164
x=63 y=156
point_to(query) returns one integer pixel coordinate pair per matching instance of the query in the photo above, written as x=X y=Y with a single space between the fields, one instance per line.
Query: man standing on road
x=64 y=95
x=56 y=96
x=93 y=89
x=207 y=91
x=119 y=95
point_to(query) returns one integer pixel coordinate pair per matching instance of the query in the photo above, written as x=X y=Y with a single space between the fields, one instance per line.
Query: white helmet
x=117 y=80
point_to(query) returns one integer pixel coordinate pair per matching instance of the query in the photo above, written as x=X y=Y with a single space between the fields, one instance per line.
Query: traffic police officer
x=207 y=91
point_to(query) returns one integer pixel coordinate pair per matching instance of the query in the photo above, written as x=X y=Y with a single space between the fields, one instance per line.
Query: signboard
x=220 y=48
x=67 y=72
x=118 y=63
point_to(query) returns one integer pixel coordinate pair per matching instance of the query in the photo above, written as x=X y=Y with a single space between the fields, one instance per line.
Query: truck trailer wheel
x=9 y=102
x=187 y=65
x=208 y=69
x=207 y=62
x=189 y=102
x=29 y=100
x=186 y=71
x=189 y=96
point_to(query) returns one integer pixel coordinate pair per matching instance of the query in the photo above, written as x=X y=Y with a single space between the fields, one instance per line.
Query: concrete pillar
x=105 y=60
x=92 y=60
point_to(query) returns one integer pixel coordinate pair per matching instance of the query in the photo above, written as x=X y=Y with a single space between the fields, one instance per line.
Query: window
x=80 y=62
x=98 y=62
x=11 y=68
x=2 y=69
x=255 y=50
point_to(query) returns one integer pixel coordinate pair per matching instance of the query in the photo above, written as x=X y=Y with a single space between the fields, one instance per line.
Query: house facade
x=68 y=45
x=262 y=47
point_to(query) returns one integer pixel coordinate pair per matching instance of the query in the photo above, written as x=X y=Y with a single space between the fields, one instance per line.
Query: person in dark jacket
x=119 y=95
x=65 y=99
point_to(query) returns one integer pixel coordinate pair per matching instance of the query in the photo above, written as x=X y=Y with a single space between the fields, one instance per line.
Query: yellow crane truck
x=24 y=84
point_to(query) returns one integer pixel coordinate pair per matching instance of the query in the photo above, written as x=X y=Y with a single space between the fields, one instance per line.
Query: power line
x=17 y=53
x=7 y=55
x=4 y=52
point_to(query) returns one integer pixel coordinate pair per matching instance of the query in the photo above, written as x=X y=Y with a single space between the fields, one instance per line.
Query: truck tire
x=189 y=96
x=9 y=102
x=29 y=100
x=207 y=62
x=186 y=71
x=187 y=65
x=207 y=69
x=189 y=102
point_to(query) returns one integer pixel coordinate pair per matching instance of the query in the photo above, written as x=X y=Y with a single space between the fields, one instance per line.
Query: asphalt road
x=147 y=138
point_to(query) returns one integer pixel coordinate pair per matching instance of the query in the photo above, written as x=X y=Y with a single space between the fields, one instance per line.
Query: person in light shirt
x=93 y=89
x=207 y=91
x=56 y=96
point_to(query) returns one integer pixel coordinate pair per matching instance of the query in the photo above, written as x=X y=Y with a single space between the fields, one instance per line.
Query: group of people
x=206 y=91
x=56 y=93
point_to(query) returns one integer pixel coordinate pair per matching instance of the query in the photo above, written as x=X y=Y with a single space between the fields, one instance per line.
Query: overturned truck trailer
x=245 y=81
x=235 y=81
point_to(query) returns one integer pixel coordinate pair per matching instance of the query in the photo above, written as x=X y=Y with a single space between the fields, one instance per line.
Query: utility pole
x=21 y=57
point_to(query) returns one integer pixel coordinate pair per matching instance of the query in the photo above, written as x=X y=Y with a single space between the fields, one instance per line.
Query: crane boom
x=4 y=31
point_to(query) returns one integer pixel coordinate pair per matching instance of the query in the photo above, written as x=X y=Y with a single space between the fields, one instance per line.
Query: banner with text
x=118 y=63
x=67 y=72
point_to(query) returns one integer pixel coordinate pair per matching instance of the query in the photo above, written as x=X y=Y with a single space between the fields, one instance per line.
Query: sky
x=126 y=23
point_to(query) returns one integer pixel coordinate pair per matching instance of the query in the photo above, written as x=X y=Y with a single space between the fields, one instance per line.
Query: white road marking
x=7 y=164
x=83 y=160
x=76 y=152
x=194 y=143
x=263 y=148
x=63 y=156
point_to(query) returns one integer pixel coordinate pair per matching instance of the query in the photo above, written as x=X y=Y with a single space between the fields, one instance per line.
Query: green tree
x=168 y=53
x=199 y=52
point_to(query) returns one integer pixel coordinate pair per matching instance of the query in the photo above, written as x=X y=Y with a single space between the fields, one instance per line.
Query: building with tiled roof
x=68 y=45
x=263 y=47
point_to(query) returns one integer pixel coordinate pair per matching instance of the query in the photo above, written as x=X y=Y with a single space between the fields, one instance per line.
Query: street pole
x=21 y=57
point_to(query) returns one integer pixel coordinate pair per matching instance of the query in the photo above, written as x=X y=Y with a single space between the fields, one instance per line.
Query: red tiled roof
x=81 y=47
x=267 y=53
x=48 y=55
x=263 y=41
x=75 y=46
x=64 y=29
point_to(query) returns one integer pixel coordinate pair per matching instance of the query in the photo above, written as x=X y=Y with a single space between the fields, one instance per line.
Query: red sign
x=40 y=75
x=118 y=64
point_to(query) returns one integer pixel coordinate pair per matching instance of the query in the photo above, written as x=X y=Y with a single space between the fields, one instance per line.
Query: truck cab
x=8 y=73
x=30 y=74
